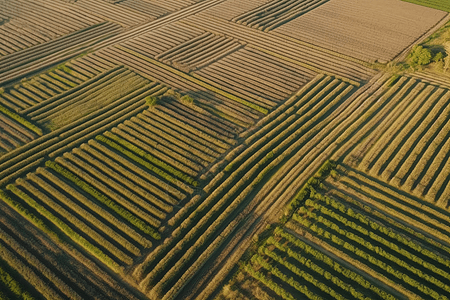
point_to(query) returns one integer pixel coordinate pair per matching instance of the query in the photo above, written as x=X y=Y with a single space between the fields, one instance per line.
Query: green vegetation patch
x=437 y=4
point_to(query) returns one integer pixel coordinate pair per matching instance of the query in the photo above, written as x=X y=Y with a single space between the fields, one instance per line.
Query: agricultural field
x=360 y=34
x=349 y=236
x=223 y=149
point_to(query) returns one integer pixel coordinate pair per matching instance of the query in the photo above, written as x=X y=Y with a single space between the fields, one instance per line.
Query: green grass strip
x=135 y=158
x=126 y=215
x=153 y=159
x=21 y=120
x=66 y=229
x=197 y=81
x=436 y=4
x=13 y=285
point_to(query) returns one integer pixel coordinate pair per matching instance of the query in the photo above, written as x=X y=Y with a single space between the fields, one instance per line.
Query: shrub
x=188 y=100
x=438 y=57
x=151 y=101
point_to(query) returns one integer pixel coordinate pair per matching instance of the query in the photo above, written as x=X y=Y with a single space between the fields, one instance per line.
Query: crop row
x=193 y=54
x=301 y=54
x=119 y=13
x=409 y=149
x=69 y=107
x=418 y=213
x=255 y=74
x=275 y=13
x=110 y=194
x=15 y=130
x=62 y=271
x=221 y=103
x=388 y=238
x=42 y=56
x=297 y=246
x=345 y=237
x=52 y=82
x=11 y=286
x=201 y=219
x=72 y=135
x=44 y=22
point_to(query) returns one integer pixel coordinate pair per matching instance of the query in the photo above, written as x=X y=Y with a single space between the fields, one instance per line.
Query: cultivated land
x=223 y=149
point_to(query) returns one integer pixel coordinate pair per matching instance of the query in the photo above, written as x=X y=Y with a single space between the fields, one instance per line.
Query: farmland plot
x=173 y=5
x=36 y=266
x=88 y=97
x=20 y=64
x=124 y=15
x=164 y=38
x=52 y=144
x=234 y=107
x=276 y=151
x=55 y=81
x=162 y=135
x=112 y=194
x=351 y=236
x=367 y=30
x=256 y=74
x=411 y=152
x=276 y=13
x=31 y=23
x=233 y=8
x=199 y=52
x=303 y=54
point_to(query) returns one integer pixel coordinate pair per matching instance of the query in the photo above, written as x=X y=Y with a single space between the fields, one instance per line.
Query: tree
x=419 y=56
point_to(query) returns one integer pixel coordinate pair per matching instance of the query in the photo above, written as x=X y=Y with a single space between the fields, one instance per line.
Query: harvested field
x=164 y=38
x=232 y=8
x=122 y=14
x=163 y=150
x=112 y=194
x=349 y=27
x=55 y=81
x=88 y=97
x=147 y=7
x=22 y=63
x=243 y=70
x=199 y=52
x=442 y=80
x=31 y=23
x=276 y=13
x=301 y=54
x=411 y=152
x=237 y=108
